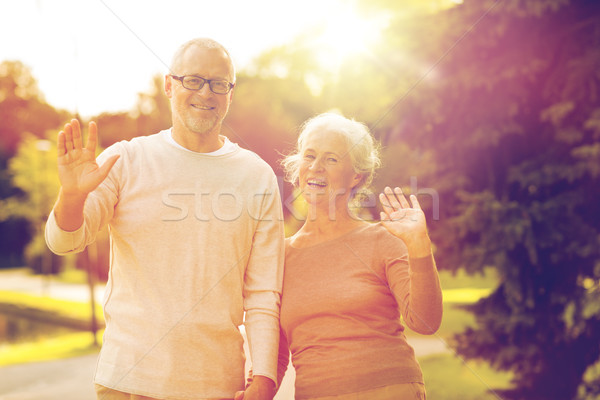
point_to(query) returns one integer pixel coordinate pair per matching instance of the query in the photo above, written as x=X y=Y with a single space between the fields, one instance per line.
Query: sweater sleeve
x=97 y=212
x=416 y=287
x=262 y=285
x=284 y=357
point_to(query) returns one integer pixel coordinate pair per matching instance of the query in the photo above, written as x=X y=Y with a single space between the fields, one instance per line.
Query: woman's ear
x=357 y=180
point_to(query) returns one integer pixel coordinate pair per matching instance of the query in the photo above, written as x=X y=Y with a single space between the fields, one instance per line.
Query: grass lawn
x=60 y=344
x=447 y=376
x=49 y=348
x=66 y=308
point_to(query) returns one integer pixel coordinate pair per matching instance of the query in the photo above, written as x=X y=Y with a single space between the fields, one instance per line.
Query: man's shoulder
x=144 y=140
x=128 y=145
x=130 y=149
x=253 y=159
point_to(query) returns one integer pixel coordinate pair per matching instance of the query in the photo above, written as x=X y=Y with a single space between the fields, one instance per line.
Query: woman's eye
x=332 y=160
x=309 y=157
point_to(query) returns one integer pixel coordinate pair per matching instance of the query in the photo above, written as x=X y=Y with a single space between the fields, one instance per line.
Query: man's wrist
x=72 y=196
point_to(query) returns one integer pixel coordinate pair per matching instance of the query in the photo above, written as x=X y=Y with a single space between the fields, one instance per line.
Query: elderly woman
x=347 y=281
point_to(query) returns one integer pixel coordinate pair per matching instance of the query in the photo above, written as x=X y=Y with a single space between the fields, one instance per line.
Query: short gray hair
x=206 y=43
x=362 y=147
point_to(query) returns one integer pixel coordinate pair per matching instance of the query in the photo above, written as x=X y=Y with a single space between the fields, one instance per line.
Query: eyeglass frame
x=204 y=82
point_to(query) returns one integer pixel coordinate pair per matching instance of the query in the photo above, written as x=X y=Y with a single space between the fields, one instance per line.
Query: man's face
x=200 y=111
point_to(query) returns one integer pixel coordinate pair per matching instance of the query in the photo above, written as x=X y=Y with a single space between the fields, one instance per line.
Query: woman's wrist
x=419 y=246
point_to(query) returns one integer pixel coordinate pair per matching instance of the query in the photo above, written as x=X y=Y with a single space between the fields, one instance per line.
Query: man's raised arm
x=78 y=172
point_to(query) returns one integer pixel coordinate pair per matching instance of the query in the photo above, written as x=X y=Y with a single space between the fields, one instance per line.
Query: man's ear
x=231 y=94
x=168 y=85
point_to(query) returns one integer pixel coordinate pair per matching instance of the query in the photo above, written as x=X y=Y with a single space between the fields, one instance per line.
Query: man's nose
x=205 y=90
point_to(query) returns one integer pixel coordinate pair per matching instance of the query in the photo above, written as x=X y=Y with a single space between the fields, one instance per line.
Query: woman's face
x=326 y=174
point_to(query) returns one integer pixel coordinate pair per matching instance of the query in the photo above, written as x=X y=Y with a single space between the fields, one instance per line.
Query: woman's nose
x=315 y=165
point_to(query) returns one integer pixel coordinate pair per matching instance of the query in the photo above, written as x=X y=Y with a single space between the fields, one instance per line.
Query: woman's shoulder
x=385 y=241
x=377 y=231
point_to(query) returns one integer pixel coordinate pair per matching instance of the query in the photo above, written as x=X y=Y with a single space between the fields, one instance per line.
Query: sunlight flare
x=344 y=35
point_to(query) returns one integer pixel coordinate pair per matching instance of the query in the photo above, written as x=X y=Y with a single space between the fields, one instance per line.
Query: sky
x=93 y=56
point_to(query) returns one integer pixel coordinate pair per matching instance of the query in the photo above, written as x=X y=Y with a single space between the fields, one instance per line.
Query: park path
x=71 y=378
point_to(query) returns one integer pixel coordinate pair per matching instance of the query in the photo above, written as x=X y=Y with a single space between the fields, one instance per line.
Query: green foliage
x=494 y=104
x=510 y=113
x=22 y=110
x=33 y=172
x=151 y=114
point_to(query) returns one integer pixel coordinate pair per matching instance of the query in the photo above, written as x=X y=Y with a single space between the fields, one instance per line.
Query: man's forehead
x=198 y=58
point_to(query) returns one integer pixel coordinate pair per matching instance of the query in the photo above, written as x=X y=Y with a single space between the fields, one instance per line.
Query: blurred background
x=488 y=110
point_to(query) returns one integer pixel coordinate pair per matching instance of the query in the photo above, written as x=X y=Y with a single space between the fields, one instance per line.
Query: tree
x=32 y=173
x=511 y=113
x=22 y=109
x=151 y=114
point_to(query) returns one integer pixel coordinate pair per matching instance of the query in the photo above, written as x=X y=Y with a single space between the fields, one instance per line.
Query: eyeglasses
x=192 y=82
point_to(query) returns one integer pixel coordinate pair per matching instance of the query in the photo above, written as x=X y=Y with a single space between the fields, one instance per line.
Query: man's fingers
x=60 y=146
x=77 y=140
x=92 y=140
x=239 y=396
x=76 y=133
x=68 y=137
x=104 y=169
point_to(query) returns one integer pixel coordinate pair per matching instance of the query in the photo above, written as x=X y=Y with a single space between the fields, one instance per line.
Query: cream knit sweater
x=196 y=241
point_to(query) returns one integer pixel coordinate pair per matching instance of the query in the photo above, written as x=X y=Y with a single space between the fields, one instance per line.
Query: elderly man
x=196 y=241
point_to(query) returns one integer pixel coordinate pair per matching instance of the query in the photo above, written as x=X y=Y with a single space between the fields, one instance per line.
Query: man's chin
x=201 y=127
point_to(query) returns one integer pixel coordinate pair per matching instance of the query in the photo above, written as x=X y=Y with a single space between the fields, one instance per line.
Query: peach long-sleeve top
x=340 y=312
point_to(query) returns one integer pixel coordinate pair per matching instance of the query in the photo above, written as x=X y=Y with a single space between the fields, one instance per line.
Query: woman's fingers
x=415 y=203
x=394 y=201
x=385 y=201
x=384 y=217
x=401 y=198
x=391 y=197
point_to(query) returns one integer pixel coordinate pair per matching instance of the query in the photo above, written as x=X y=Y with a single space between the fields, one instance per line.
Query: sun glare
x=345 y=34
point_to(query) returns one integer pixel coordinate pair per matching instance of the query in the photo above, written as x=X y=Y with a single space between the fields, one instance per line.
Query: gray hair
x=206 y=43
x=362 y=147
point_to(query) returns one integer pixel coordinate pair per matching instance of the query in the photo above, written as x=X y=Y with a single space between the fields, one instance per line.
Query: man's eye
x=309 y=157
x=332 y=160
x=192 y=81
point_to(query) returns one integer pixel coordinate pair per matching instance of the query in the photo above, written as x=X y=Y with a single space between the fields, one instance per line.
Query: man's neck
x=198 y=142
